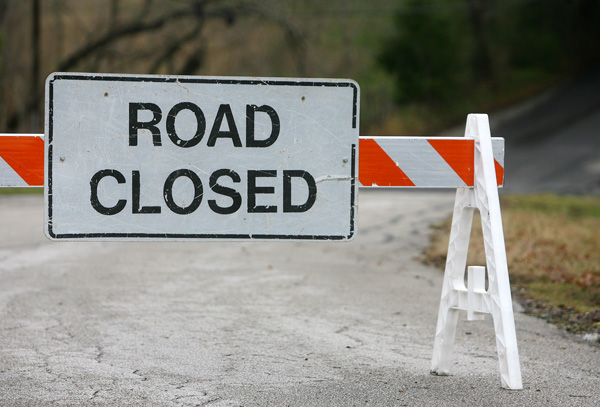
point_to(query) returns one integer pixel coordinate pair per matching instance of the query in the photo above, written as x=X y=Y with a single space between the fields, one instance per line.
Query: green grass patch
x=553 y=253
x=571 y=207
x=21 y=191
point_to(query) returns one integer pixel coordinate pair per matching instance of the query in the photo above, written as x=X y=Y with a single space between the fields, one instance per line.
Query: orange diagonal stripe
x=499 y=173
x=375 y=167
x=460 y=156
x=25 y=155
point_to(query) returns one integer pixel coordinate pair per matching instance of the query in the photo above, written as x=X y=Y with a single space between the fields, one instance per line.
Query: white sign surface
x=181 y=158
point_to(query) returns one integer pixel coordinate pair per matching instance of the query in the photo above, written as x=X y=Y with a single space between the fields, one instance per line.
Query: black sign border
x=196 y=80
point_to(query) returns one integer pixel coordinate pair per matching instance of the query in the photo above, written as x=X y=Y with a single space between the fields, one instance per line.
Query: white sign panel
x=181 y=158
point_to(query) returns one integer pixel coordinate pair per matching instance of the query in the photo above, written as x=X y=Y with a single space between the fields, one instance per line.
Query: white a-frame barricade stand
x=472 y=165
x=474 y=298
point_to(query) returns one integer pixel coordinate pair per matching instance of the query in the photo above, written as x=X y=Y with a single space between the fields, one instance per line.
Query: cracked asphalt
x=258 y=324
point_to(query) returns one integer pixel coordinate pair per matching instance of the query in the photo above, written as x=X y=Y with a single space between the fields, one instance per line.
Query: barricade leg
x=497 y=299
x=456 y=262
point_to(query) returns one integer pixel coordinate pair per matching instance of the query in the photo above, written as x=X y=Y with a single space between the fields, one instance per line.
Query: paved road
x=553 y=141
x=257 y=324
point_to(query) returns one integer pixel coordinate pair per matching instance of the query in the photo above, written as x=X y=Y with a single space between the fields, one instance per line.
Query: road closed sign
x=184 y=158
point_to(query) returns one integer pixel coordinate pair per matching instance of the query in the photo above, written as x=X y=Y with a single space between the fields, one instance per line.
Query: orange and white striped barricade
x=474 y=165
x=21 y=160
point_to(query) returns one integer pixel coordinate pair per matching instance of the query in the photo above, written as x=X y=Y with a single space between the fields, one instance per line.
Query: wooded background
x=421 y=64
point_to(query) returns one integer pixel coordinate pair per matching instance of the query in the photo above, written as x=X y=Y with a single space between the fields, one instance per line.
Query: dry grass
x=553 y=250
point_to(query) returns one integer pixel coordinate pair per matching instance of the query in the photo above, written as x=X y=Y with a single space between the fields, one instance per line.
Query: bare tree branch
x=118 y=34
x=192 y=63
x=294 y=36
x=175 y=47
x=194 y=10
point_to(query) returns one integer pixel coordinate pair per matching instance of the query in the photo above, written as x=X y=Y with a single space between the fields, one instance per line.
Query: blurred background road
x=553 y=141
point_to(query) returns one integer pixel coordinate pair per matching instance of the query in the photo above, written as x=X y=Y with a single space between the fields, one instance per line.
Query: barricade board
x=182 y=158
x=21 y=160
